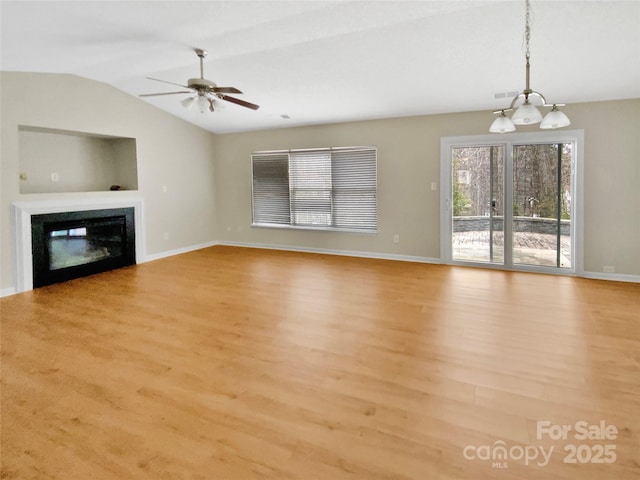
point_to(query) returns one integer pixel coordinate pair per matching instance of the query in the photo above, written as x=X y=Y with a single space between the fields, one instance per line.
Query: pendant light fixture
x=527 y=113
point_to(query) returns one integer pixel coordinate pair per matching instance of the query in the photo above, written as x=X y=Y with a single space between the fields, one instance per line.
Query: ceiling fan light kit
x=188 y=102
x=205 y=91
x=527 y=113
x=203 y=104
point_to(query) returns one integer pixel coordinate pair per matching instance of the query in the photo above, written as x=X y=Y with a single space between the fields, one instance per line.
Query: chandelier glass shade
x=555 y=119
x=502 y=124
x=527 y=113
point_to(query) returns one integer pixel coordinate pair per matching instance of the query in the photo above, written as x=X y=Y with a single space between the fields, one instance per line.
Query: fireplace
x=68 y=245
x=90 y=243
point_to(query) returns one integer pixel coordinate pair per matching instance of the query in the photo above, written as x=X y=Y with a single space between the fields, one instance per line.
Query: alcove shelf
x=56 y=161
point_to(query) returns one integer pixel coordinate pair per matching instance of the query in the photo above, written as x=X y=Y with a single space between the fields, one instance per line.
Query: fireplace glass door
x=75 y=244
x=79 y=245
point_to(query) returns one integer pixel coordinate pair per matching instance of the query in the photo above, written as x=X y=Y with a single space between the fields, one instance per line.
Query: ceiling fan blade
x=164 y=81
x=167 y=93
x=242 y=103
x=226 y=90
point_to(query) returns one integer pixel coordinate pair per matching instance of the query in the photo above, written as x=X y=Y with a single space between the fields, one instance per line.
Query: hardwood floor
x=234 y=363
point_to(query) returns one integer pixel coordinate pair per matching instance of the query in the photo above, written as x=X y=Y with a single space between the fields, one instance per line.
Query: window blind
x=310 y=187
x=327 y=188
x=271 y=189
x=354 y=188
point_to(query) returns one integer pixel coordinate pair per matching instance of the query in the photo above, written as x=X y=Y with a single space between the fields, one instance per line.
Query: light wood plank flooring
x=236 y=363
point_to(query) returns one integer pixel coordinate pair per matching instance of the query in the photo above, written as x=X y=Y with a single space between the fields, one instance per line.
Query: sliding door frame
x=508 y=141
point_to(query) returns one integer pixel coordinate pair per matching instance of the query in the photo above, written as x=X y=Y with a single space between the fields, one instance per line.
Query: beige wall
x=201 y=207
x=171 y=152
x=125 y=161
x=409 y=160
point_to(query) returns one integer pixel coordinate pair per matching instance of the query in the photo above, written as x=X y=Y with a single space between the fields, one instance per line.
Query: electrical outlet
x=434 y=186
x=164 y=189
x=396 y=238
x=165 y=235
x=55 y=177
x=608 y=269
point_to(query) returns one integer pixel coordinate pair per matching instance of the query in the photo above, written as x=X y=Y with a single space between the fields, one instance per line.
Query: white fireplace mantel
x=24 y=211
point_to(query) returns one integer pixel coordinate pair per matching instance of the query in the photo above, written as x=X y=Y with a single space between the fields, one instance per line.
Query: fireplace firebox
x=75 y=244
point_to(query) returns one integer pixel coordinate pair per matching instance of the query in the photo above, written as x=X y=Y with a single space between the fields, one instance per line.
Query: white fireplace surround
x=24 y=210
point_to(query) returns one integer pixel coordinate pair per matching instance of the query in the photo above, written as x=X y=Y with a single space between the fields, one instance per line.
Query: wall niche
x=56 y=161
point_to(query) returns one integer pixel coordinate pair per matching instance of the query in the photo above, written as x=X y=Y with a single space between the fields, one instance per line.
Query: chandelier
x=527 y=113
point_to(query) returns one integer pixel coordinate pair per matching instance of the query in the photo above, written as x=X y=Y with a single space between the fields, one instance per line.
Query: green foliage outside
x=517 y=211
x=548 y=208
x=461 y=203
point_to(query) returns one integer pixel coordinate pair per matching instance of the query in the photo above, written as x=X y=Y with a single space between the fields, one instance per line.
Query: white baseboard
x=613 y=277
x=6 y=292
x=327 y=251
x=178 y=251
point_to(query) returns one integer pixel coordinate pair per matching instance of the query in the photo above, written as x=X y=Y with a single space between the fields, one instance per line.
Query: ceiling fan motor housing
x=201 y=83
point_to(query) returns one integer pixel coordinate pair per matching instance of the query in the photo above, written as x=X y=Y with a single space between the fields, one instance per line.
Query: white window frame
x=508 y=140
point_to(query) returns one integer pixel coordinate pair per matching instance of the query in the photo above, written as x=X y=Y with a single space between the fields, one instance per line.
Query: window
x=327 y=189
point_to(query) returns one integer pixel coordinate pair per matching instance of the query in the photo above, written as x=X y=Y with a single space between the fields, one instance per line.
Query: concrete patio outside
x=528 y=248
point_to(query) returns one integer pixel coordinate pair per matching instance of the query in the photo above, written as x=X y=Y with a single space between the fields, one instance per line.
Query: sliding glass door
x=542 y=193
x=477 y=203
x=510 y=203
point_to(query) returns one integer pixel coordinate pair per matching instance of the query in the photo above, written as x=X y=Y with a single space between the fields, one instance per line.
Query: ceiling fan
x=206 y=91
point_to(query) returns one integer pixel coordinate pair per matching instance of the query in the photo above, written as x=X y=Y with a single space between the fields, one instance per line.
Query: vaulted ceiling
x=332 y=61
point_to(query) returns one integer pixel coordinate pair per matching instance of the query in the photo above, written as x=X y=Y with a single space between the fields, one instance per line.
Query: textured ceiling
x=332 y=61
